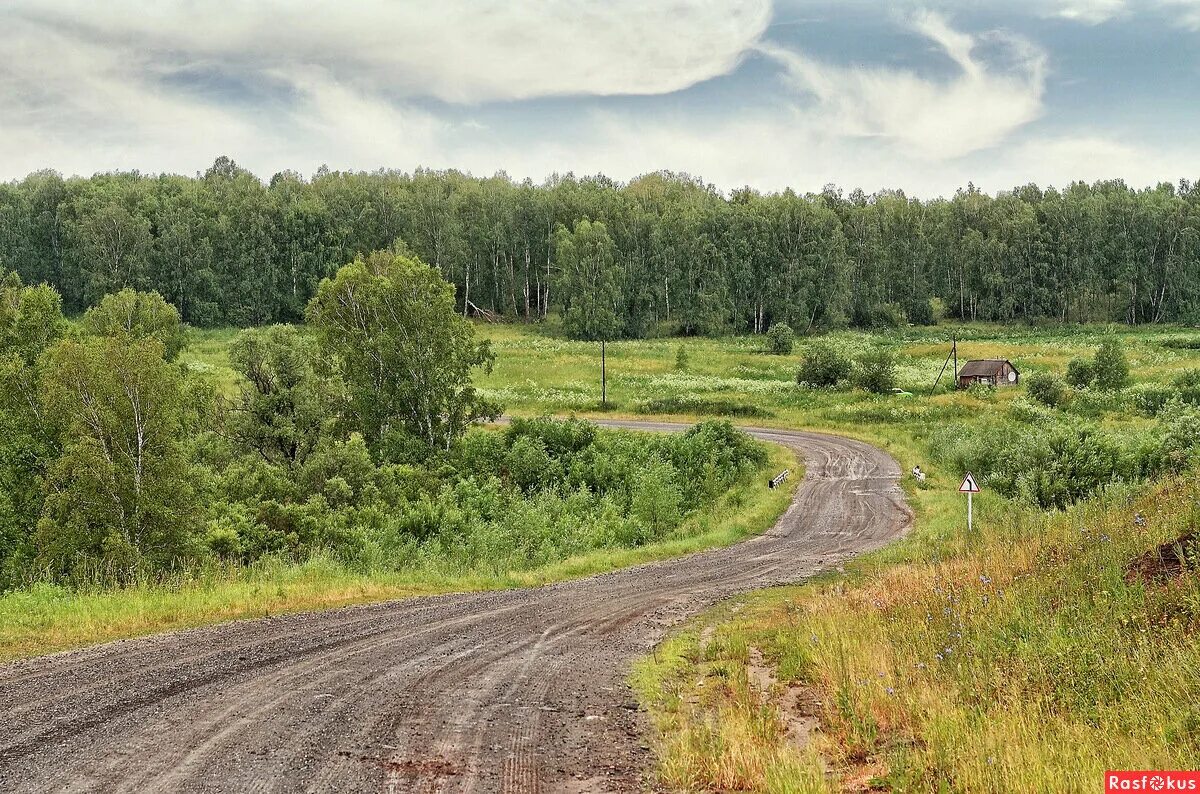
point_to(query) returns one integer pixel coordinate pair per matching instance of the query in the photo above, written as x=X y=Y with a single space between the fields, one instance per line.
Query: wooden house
x=989 y=372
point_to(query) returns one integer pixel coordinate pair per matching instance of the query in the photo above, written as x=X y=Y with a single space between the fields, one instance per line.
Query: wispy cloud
x=927 y=116
x=1092 y=12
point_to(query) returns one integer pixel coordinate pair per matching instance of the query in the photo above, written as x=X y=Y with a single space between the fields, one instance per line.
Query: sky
x=921 y=96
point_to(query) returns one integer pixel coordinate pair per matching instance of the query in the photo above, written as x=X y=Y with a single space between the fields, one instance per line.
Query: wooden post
x=603 y=377
x=954 y=351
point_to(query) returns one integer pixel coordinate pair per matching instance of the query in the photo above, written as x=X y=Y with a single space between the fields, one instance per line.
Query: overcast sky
x=923 y=96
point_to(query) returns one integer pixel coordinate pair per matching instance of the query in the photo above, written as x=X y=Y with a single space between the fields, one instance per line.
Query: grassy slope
x=46 y=618
x=1025 y=660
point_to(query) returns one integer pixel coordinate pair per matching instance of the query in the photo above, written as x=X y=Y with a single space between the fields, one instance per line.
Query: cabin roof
x=985 y=366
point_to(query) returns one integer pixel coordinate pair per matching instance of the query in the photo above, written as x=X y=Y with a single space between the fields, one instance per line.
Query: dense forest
x=665 y=251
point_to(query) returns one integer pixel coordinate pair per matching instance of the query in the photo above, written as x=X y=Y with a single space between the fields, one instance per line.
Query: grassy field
x=48 y=618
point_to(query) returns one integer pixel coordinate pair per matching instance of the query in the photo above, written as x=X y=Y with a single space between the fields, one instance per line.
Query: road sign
x=970 y=488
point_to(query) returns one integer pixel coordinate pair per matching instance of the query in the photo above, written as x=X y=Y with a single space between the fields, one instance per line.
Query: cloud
x=1183 y=13
x=1091 y=12
x=928 y=117
x=454 y=50
x=71 y=98
x=166 y=89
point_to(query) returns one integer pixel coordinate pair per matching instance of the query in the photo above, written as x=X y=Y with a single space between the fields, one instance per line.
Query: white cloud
x=1185 y=13
x=70 y=99
x=923 y=116
x=454 y=50
x=1092 y=12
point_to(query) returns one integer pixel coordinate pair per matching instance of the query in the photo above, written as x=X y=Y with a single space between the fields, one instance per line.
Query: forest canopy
x=226 y=248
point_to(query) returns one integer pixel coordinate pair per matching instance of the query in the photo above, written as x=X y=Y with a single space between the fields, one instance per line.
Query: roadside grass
x=1032 y=658
x=45 y=618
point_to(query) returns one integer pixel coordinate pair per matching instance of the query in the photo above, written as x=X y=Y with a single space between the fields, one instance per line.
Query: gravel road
x=515 y=691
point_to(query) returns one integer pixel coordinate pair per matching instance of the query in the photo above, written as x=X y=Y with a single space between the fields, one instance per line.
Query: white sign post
x=969 y=487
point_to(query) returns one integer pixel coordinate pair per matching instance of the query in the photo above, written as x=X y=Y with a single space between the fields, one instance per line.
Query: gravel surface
x=514 y=691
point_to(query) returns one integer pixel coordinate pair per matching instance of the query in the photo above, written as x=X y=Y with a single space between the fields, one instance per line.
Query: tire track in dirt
x=514 y=691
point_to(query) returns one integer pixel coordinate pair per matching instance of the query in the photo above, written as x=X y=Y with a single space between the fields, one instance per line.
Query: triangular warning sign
x=968 y=484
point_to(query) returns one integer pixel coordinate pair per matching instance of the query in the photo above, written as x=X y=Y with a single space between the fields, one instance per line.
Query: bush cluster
x=538 y=491
x=1053 y=463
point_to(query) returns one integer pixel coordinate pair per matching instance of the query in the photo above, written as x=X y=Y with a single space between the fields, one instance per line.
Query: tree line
x=663 y=252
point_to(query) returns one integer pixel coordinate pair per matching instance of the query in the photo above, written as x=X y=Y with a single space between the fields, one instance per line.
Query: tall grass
x=1033 y=658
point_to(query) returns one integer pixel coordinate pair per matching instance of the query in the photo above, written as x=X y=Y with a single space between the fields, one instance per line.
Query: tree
x=286 y=403
x=780 y=339
x=588 y=281
x=132 y=315
x=823 y=365
x=1111 y=368
x=875 y=371
x=120 y=496
x=404 y=352
x=31 y=320
x=115 y=246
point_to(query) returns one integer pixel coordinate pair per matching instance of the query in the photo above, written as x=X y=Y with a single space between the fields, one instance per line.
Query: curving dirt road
x=515 y=691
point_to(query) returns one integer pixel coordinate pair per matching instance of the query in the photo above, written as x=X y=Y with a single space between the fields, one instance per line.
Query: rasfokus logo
x=1157 y=780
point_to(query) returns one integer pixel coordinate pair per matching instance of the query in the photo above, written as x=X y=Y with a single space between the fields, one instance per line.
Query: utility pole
x=603 y=377
x=952 y=355
x=954 y=351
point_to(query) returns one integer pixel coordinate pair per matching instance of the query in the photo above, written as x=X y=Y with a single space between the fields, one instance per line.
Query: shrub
x=1028 y=412
x=1181 y=442
x=883 y=316
x=875 y=371
x=1187 y=383
x=1112 y=370
x=1046 y=388
x=656 y=499
x=1151 y=398
x=780 y=339
x=681 y=359
x=1081 y=372
x=823 y=365
x=688 y=404
x=982 y=391
x=1181 y=343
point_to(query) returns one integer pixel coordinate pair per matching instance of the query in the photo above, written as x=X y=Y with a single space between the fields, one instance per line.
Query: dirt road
x=516 y=691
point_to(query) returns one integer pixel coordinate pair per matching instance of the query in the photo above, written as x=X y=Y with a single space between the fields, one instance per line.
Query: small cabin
x=989 y=372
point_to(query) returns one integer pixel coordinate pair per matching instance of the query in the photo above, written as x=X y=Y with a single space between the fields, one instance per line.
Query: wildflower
x=985 y=580
x=890 y=691
x=1139 y=519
